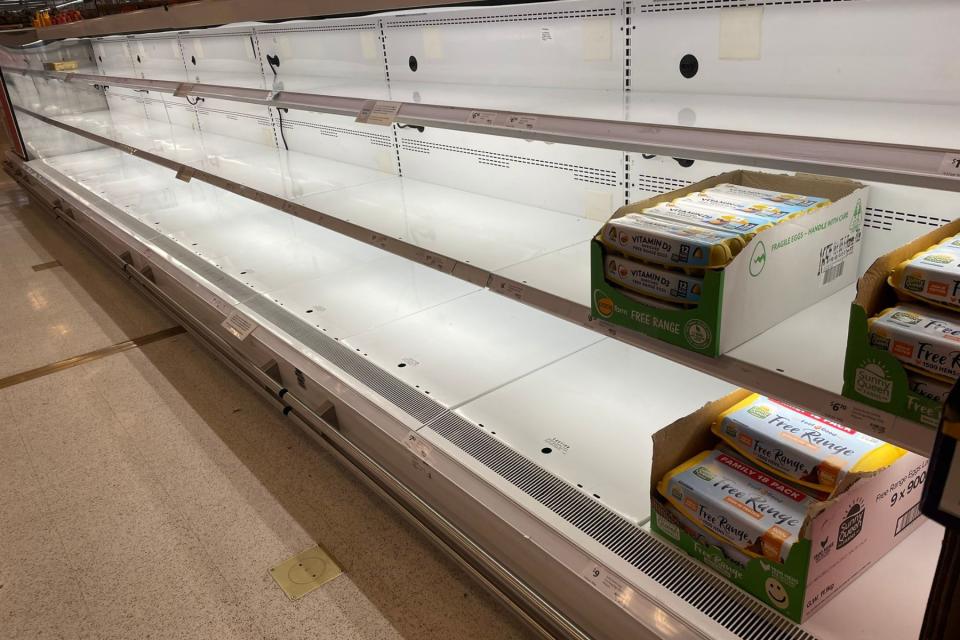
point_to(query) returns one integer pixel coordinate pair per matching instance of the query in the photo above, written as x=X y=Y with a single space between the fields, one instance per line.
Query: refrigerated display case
x=383 y=222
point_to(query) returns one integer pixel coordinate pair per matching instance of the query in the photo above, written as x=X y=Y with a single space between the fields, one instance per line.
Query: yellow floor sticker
x=304 y=572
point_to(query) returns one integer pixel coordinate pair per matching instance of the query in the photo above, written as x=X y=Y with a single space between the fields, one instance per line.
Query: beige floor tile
x=39 y=593
x=152 y=491
x=65 y=311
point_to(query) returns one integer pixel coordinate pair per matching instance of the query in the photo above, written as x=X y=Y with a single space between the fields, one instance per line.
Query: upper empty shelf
x=860 y=139
x=534 y=255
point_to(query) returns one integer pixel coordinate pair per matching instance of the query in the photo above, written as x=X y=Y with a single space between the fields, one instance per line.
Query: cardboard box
x=876 y=377
x=64 y=65
x=782 y=270
x=840 y=537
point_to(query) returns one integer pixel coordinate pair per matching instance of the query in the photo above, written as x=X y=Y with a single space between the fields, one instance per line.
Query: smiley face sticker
x=776 y=594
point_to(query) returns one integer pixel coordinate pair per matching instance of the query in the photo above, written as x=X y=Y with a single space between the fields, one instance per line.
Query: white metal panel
x=585 y=182
x=560 y=44
x=462 y=349
x=312 y=54
x=564 y=272
x=158 y=57
x=339 y=138
x=877 y=50
x=362 y=295
x=486 y=232
x=113 y=57
x=222 y=58
x=589 y=418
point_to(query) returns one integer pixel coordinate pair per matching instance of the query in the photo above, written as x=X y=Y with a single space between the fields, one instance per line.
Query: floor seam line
x=90 y=356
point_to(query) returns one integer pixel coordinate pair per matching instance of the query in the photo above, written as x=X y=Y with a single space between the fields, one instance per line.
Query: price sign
x=239 y=325
x=380 y=112
x=950 y=165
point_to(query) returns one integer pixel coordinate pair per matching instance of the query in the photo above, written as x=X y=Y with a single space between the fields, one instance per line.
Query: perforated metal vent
x=327 y=130
x=580 y=172
x=722 y=602
x=420 y=21
x=663 y=6
x=411 y=401
x=317 y=27
x=658 y=184
x=234 y=115
x=883 y=219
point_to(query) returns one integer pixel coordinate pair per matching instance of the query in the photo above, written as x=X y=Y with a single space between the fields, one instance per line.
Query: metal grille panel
x=709 y=594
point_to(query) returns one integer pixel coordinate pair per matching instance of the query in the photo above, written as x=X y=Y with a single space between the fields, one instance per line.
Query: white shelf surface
x=589 y=418
x=800 y=360
x=533 y=379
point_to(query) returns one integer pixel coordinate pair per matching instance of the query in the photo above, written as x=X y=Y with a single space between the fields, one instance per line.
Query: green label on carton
x=696 y=329
x=779 y=585
x=877 y=378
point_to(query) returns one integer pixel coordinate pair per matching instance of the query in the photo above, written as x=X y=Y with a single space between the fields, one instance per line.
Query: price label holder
x=239 y=325
x=950 y=164
x=381 y=112
x=613 y=587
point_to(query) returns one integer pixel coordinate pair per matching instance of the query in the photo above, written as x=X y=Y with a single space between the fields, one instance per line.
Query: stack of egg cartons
x=751 y=495
x=660 y=253
x=924 y=334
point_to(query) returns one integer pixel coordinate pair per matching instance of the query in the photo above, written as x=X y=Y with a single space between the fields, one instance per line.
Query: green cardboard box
x=876 y=377
x=781 y=271
x=839 y=539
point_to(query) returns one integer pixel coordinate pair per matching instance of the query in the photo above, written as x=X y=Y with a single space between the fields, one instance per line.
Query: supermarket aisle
x=147 y=493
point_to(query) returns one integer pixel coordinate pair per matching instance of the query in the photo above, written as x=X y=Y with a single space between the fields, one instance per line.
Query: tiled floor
x=148 y=493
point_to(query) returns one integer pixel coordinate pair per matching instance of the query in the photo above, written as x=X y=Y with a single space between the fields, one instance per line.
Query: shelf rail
x=918 y=166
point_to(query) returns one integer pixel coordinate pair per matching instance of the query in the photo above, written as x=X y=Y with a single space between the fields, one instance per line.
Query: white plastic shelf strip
x=922 y=166
x=800 y=360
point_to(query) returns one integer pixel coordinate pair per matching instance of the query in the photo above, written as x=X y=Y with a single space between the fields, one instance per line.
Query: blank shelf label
x=239 y=325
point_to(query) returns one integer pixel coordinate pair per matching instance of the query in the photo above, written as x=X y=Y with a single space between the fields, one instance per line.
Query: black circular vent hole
x=412 y=61
x=689 y=65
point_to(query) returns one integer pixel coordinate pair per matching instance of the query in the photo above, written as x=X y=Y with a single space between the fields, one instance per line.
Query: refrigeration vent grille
x=510 y=17
x=365 y=26
x=582 y=173
x=884 y=219
x=689 y=5
x=659 y=184
x=327 y=130
x=350 y=362
x=234 y=115
x=722 y=602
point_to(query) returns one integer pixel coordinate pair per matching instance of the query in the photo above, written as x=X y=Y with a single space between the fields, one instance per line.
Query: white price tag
x=419 y=447
x=482 y=117
x=380 y=112
x=611 y=586
x=950 y=165
x=517 y=121
x=860 y=417
x=239 y=325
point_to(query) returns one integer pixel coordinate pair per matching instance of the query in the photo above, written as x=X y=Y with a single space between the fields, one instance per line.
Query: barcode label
x=833 y=273
x=907 y=519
